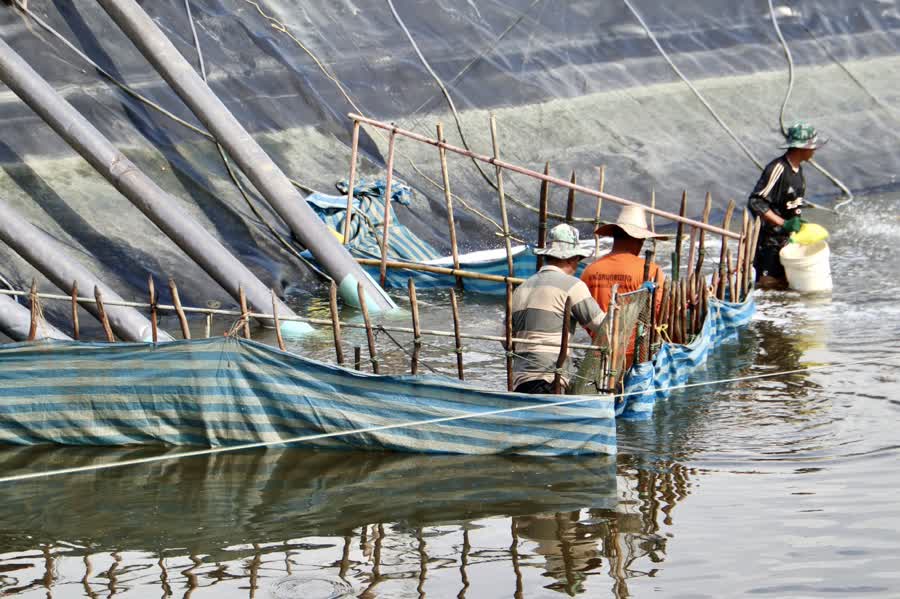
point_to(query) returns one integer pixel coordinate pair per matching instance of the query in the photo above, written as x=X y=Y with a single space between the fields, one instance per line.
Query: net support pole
x=49 y=256
x=262 y=171
x=15 y=322
x=160 y=207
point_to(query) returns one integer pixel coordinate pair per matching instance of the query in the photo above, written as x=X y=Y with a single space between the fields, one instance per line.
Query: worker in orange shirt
x=623 y=265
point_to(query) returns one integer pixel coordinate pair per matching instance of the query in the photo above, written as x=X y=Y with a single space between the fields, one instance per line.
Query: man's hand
x=792 y=225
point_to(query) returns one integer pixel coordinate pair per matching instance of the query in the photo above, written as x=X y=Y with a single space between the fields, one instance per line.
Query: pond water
x=781 y=487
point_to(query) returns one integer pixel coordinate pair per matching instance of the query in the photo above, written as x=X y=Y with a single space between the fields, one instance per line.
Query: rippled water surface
x=783 y=486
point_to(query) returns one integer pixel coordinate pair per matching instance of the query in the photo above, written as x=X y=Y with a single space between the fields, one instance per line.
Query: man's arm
x=760 y=198
x=585 y=308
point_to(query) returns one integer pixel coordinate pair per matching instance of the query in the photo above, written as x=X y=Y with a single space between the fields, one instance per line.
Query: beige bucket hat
x=632 y=220
x=564 y=243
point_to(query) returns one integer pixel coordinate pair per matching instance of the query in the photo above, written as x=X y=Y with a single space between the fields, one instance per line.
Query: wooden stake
x=685 y=332
x=742 y=250
x=154 y=320
x=726 y=224
x=386 y=231
x=748 y=258
x=357 y=357
x=542 y=215
x=277 y=324
x=448 y=200
x=503 y=215
x=417 y=339
x=351 y=182
x=35 y=308
x=676 y=259
x=370 y=336
x=570 y=202
x=245 y=313
x=729 y=272
x=509 y=344
x=185 y=330
x=701 y=240
x=459 y=351
x=98 y=296
x=335 y=323
x=207 y=330
x=563 y=348
x=75 y=329
x=756 y=229
x=691 y=253
x=600 y=207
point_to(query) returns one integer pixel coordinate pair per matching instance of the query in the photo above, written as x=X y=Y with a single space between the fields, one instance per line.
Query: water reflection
x=293 y=522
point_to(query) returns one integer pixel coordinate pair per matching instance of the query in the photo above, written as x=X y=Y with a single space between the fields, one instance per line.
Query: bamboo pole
x=496 y=162
x=542 y=215
x=602 y=170
x=441 y=270
x=75 y=328
x=357 y=357
x=176 y=301
x=417 y=339
x=685 y=332
x=101 y=312
x=563 y=347
x=613 y=338
x=726 y=224
x=154 y=317
x=35 y=308
x=335 y=323
x=448 y=201
x=570 y=201
x=207 y=329
x=277 y=324
x=504 y=218
x=386 y=231
x=458 y=342
x=351 y=182
x=245 y=316
x=500 y=339
x=509 y=343
x=370 y=336
x=676 y=257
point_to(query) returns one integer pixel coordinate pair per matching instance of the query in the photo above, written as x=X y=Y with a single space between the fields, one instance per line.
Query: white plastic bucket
x=807 y=267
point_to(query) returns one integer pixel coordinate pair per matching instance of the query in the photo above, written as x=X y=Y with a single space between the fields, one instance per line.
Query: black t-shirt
x=781 y=190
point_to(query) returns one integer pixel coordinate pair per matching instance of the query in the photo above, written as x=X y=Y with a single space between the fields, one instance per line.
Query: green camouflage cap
x=803 y=135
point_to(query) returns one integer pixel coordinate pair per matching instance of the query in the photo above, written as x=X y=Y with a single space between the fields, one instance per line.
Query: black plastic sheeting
x=576 y=82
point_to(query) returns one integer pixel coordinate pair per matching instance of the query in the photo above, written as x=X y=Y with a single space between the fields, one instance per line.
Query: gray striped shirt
x=537 y=315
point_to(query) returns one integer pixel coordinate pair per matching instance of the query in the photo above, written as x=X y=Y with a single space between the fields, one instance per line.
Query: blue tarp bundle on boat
x=228 y=391
x=672 y=365
x=367 y=224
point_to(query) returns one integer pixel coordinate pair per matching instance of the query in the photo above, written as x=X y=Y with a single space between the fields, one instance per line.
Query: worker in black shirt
x=777 y=200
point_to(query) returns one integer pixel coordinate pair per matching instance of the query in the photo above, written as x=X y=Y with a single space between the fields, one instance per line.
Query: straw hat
x=563 y=243
x=632 y=220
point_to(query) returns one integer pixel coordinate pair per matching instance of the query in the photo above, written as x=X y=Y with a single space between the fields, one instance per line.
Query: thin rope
x=790 y=88
x=375 y=429
x=231 y=172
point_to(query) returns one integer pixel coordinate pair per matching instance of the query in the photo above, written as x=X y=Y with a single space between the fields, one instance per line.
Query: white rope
x=375 y=429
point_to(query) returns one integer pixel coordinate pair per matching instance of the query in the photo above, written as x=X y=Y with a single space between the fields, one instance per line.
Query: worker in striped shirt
x=777 y=200
x=537 y=312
